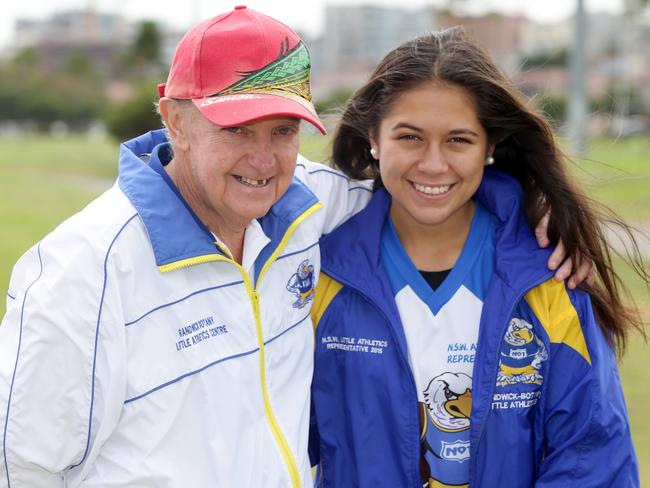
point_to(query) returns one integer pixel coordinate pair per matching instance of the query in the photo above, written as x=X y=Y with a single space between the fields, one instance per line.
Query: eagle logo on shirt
x=301 y=284
x=444 y=423
x=448 y=399
x=522 y=355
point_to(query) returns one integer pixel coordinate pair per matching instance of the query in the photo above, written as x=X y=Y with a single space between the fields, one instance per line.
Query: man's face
x=235 y=174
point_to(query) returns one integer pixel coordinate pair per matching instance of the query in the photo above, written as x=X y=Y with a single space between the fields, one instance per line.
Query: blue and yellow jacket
x=545 y=414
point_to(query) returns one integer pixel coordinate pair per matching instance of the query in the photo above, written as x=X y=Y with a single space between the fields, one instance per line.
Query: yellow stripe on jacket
x=551 y=304
x=326 y=290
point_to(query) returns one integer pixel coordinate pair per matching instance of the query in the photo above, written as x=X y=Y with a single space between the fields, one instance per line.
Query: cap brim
x=243 y=108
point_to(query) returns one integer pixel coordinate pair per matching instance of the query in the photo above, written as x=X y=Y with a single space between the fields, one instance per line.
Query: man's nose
x=261 y=153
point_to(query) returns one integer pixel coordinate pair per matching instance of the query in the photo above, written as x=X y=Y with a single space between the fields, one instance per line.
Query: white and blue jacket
x=547 y=405
x=134 y=352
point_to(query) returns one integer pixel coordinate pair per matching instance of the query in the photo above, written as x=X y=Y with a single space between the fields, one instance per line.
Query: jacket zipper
x=268 y=410
x=271 y=419
x=493 y=373
x=253 y=296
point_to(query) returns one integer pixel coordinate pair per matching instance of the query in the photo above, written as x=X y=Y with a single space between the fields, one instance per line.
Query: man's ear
x=176 y=122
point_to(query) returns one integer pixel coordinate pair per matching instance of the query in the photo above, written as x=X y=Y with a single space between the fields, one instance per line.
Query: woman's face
x=432 y=150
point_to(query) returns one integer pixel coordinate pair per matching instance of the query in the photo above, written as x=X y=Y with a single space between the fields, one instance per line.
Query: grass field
x=44 y=180
x=618 y=174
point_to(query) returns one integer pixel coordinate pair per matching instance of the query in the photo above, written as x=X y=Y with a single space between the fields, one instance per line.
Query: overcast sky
x=305 y=15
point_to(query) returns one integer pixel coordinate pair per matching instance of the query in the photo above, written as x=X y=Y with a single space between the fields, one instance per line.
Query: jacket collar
x=519 y=261
x=176 y=234
x=352 y=251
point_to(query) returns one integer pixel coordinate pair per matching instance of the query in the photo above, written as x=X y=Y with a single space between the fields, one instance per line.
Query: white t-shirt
x=441 y=329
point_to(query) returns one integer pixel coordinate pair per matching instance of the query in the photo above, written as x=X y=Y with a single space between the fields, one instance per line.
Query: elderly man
x=154 y=340
x=161 y=337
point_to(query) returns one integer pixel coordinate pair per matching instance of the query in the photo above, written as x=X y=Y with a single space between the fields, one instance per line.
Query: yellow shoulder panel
x=551 y=304
x=326 y=290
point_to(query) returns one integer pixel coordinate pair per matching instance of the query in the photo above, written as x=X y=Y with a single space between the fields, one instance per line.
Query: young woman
x=446 y=354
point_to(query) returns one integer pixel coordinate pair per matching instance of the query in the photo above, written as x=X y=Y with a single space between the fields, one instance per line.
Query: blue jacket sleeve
x=587 y=433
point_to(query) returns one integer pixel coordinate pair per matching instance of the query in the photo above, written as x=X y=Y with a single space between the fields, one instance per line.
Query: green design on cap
x=289 y=73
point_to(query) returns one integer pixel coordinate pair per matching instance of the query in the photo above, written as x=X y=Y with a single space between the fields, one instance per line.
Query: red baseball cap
x=242 y=66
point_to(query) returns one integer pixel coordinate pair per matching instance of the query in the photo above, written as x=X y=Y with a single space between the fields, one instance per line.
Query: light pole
x=578 y=89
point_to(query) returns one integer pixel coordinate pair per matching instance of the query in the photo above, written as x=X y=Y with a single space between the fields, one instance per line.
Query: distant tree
x=141 y=63
x=333 y=101
x=148 y=42
x=635 y=7
x=78 y=63
x=32 y=96
x=143 y=58
x=557 y=57
x=132 y=117
x=554 y=107
x=26 y=58
x=608 y=103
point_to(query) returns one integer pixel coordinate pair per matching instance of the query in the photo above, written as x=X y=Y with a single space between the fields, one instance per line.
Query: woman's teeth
x=432 y=190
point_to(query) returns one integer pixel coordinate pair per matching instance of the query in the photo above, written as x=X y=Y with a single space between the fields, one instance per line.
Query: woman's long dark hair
x=525 y=148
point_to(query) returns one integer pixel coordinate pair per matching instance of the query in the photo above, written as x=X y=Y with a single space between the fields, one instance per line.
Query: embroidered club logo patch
x=522 y=355
x=301 y=284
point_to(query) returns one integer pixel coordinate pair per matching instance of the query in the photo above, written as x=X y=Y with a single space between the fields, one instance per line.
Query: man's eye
x=286 y=131
x=234 y=130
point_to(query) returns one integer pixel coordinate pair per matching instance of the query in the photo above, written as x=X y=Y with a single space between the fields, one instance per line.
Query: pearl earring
x=373 y=152
x=489 y=161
